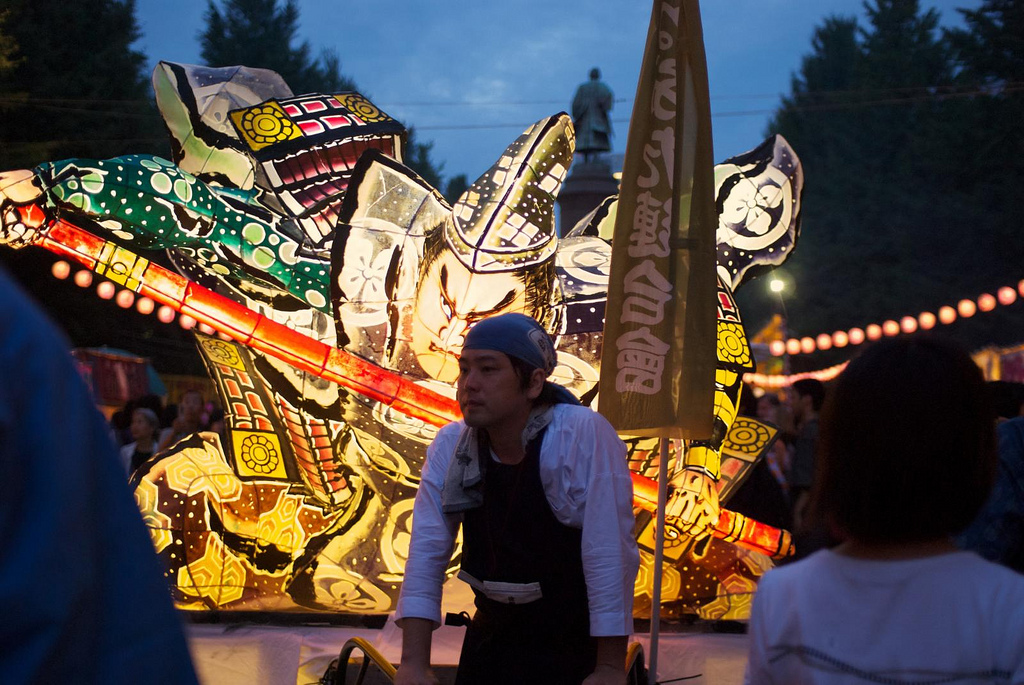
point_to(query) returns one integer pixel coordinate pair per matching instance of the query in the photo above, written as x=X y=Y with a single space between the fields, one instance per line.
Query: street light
x=777 y=285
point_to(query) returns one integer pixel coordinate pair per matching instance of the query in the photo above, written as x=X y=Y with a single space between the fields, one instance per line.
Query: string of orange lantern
x=126 y=298
x=925 y=321
x=964 y=309
x=254 y=330
x=764 y=380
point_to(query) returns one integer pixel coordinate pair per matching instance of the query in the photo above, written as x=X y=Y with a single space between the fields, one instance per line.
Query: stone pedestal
x=588 y=183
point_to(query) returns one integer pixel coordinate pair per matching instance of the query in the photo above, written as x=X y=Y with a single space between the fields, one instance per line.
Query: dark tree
x=417 y=158
x=991 y=49
x=264 y=33
x=72 y=85
x=76 y=87
x=8 y=46
x=457 y=185
x=912 y=154
x=989 y=58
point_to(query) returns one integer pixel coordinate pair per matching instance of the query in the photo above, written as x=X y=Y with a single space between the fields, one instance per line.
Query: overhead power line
x=930 y=89
x=815 y=107
x=25 y=144
x=879 y=97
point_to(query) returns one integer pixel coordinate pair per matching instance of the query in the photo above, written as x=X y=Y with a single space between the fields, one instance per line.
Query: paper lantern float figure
x=308 y=504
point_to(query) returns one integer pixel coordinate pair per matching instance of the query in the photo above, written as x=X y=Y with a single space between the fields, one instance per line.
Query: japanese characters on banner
x=658 y=365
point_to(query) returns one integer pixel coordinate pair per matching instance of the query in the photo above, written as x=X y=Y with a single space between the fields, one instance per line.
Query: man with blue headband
x=540 y=487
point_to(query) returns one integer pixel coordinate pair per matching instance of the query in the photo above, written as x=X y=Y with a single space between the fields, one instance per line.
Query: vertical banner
x=658 y=359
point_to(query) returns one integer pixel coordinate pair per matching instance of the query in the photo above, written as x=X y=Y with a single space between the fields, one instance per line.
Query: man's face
x=191 y=406
x=451 y=298
x=801 y=405
x=489 y=391
x=766 y=410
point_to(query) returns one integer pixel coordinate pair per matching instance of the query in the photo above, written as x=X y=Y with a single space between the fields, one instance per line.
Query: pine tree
x=76 y=86
x=991 y=49
x=908 y=206
x=417 y=158
x=262 y=33
x=989 y=59
x=8 y=46
x=72 y=85
x=456 y=186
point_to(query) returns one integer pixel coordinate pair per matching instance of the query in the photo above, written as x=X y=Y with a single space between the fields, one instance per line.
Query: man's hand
x=693 y=505
x=610 y=668
x=414 y=668
x=800 y=506
x=19 y=225
x=414 y=675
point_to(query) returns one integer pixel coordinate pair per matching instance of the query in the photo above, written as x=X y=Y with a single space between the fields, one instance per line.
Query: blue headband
x=516 y=335
x=519 y=336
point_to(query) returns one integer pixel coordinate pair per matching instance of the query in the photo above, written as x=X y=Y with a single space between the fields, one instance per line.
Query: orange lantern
x=986 y=302
x=165 y=314
x=874 y=331
x=890 y=328
x=856 y=336
x=824 y=341
x=926 y=320
x=793 y=346
x=1006 y=295
x=106 y=290
x=908 y=324
x=60 y=269
x=83 y=279
x=840 y=339
x=966 y=308
x=947 y=314
x=807 y=345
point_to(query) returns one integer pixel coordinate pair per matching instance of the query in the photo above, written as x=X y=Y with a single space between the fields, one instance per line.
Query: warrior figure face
x=451 y=298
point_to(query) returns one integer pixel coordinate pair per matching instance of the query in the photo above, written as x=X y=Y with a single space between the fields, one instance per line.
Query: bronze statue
x=590 y=107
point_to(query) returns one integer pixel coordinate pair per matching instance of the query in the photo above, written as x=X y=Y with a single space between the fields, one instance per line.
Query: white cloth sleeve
x=591 y=489
x=126 y=453
x=433 y=535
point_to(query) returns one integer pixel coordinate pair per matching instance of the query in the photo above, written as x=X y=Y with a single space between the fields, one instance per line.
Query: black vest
x=514 y=537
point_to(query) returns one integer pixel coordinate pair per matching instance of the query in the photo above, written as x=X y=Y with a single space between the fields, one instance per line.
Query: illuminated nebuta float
x=298 y=231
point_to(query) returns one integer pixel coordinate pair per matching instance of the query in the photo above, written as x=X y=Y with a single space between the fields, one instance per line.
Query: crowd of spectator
x=903 y=484
x=778 y=490
x=146 y=426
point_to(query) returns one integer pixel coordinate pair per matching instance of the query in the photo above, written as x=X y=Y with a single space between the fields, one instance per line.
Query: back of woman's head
x=907 y=449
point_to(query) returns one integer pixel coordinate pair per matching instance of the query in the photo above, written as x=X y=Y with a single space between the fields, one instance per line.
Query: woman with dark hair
x=907 y=459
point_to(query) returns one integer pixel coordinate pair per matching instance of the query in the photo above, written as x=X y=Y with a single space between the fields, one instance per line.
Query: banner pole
x=659 y=549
